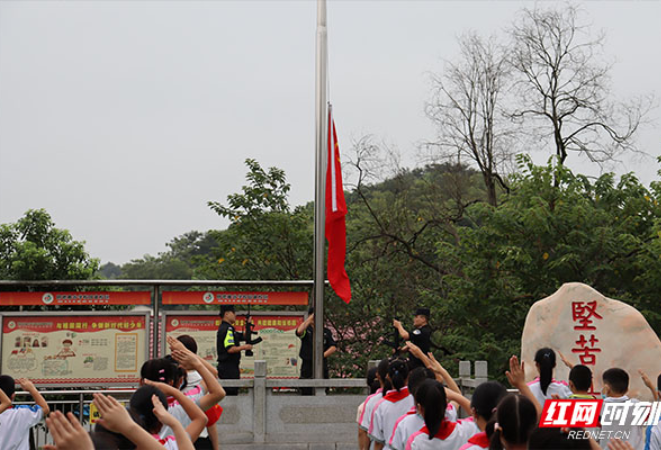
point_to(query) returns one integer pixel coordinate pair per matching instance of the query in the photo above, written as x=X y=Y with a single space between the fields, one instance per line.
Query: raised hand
x=67 y=432
x=175 y=344
x=161 y=413
x=187 y=359
x=516 y=375
x=114 y=416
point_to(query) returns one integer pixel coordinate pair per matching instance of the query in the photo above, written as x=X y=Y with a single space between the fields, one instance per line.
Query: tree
x=33 y=249
x=555 y=227
x=265 y=239
x=466 y=109
x=186 y=258
x=564 y=90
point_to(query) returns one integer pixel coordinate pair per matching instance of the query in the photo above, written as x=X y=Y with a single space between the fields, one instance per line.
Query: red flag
x=336 y=210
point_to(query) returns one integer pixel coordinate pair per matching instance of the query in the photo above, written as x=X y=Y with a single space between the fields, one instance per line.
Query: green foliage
x=184 y=260
x=555 y=227
x=265 y=239
x=33 y=249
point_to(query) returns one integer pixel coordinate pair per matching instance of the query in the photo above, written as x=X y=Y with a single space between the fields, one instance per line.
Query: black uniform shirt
x=422 y=338
x=226 y=338
x=307 y=342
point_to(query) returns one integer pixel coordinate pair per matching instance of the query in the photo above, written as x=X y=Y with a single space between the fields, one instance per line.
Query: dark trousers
x=203 y=444
x=229 y=371
x=307 y=373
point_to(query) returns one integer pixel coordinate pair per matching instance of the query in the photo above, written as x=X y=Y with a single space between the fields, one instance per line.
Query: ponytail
x=382 y=374
x=399 y=373
x=545 y=357
x=486 y=398
x=516 y=418
x=430 y=395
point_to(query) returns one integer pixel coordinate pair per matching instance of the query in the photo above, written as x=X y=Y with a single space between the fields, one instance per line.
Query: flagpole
x=320 y=183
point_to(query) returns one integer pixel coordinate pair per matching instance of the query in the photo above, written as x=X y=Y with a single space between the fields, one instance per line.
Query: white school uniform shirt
x=193 y=386
x=394 y=405
x=478 y=441
x=561 y=388
x=450 y=436
x=653 y=437
x=366 y=415
x=179 y=413
x=15 y=424
x=411 y=422
x=637 y=436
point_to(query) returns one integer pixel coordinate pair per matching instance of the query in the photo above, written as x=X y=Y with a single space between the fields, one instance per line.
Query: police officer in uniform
x=229 y=350
x=305 y=331
x=420 y=336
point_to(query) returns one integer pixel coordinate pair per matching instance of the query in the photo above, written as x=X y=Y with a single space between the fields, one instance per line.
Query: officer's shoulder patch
x=417 y=332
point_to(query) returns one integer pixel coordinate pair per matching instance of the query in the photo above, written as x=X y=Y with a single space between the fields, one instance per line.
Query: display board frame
x=165 y=314
x=5 y=315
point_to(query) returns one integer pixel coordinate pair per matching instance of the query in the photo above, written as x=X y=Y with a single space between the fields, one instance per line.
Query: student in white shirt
x=437 y=433
x=374 y=386
x=411 y=422
x=483 y=405
x=544 y=386
x=209 y=437
x=371 y=401
x=15 y=423
x=148 y=403
x=164 y=371
x=615 y=388
x=516 y=419
x=393 y=405
x=116 y=421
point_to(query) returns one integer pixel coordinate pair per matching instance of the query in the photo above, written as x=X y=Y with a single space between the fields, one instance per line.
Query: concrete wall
x=266 y=419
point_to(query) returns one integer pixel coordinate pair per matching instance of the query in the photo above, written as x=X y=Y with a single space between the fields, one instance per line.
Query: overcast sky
x=123 y=118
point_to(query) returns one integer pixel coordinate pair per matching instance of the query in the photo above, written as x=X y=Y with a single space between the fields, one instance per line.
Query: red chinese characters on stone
x=586 y=349
x=583 y=313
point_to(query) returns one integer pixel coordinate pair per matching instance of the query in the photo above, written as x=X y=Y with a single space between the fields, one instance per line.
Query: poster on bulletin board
x=75 y=348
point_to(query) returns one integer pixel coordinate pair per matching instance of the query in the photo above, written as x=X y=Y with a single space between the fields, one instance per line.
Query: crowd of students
x=419 y=409
x=175 y=407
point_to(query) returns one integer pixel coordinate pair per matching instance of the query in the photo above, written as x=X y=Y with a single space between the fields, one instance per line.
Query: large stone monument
x=593 y=330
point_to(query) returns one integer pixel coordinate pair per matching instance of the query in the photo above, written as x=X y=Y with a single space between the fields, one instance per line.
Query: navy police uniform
x=228 y=363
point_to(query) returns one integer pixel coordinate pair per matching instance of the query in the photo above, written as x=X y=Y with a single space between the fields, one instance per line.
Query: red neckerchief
x=444 y=430
x=395 y=396
x=480 y=439
x=411 y=411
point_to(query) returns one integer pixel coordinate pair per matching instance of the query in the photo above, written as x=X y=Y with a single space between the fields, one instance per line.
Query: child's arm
x=195 y=414
x=67 y=434
x=565 y=360
x=459 y=399
x=517 y=379
x=38 y=399
x=649 y=384
x=184 y=441
x=176 y=344
x=116 y=418
x=215 y=392
x=5 y=402
x=445 y=375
